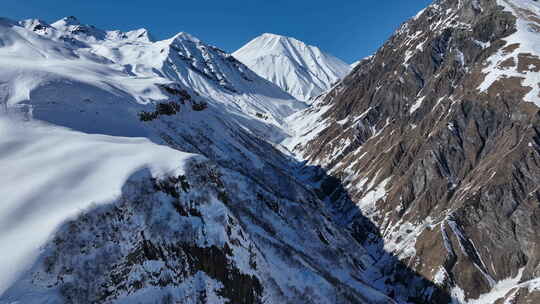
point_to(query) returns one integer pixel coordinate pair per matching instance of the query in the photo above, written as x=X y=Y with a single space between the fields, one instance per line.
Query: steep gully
x=398 y=281
x=395 y=278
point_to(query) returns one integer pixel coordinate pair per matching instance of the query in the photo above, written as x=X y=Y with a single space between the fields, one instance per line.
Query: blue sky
x=349 y=29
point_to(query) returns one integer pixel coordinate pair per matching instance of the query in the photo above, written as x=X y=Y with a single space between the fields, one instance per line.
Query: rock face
x=302 y=70
x=436 y=140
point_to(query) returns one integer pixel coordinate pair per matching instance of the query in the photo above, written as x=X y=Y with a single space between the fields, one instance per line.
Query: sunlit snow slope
x=54 y=71
x=300 y=69
x=51 y=173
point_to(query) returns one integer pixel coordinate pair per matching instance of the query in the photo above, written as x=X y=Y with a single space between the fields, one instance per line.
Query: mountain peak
x=72 y=25
x=274 y=36
x=271 y=35
x=183 y=36
x=67 y=21
x=302 y=70
x=141 y=34
x=275 y=41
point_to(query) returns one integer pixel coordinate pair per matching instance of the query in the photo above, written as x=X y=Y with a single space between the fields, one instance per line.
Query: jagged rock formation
x=436 y=139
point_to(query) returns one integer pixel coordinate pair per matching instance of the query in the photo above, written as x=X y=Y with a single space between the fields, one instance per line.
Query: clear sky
x=349 y=29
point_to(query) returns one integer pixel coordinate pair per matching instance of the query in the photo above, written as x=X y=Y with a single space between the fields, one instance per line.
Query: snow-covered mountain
x=131 y=69
x=149 y=171
x=300 y=69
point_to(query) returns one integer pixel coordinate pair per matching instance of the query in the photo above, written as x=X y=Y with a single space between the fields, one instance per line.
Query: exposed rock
x=437 y=149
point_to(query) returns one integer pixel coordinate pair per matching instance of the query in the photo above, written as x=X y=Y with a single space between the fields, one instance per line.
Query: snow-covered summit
x=300 y=69
x=73 y=26
x=183 y=36
x=67 y=21
x=71 y=29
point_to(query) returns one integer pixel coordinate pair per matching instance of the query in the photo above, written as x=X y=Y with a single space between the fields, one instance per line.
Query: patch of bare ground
x=508 y=63
x=510 y=87
x=510 y=48
x=528 y=62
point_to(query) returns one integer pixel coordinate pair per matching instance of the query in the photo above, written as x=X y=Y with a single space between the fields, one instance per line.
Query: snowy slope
x=50 y=175
x=47 y=65
x=300 y=69
x=527 y=44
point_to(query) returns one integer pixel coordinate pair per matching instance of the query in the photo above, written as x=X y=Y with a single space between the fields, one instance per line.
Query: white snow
x=305 y=125
x=460 y=57
x=354 y=64
x=50 y=174
x=373 y=195
x=95 y=82
x=419 y=14
x=527 y=38
x=440 y=276
x=401 y=237
x=107 y=74
x=417 y=104
x=501 y=289
x=300 y=69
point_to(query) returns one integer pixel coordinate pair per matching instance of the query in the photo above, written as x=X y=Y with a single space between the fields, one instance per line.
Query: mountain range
x=138 y=170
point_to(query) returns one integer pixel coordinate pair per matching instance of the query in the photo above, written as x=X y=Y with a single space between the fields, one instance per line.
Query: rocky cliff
x=436 y=140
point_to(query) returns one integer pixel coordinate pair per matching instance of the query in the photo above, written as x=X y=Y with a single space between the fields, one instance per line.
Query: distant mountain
x=300 y=69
